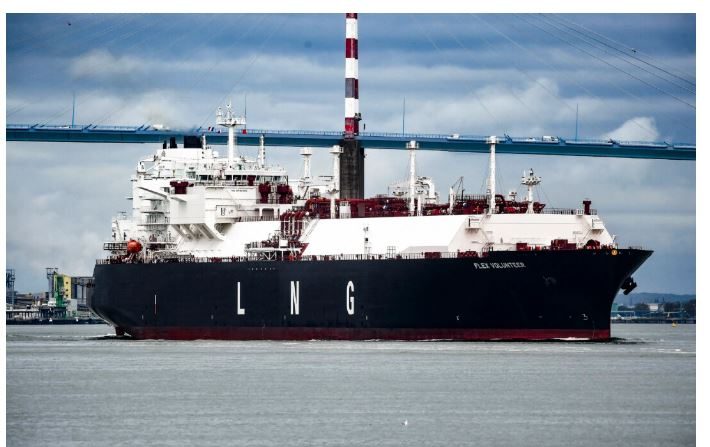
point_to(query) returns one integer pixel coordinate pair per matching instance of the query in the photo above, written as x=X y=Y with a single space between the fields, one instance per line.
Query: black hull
x=506 y=295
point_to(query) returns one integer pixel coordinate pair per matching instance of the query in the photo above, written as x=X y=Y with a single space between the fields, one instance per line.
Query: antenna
x=73 y=107
x=404 y=104
x=576 y=124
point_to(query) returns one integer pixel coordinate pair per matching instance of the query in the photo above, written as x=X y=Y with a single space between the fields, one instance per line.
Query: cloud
x=300 y=91
x=59 y=216
x=140 y=72
x=102 y=64
x=640 y=128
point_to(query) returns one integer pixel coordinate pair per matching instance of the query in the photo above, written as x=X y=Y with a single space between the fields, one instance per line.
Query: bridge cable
x=556 y=19
x=472 y=90
x=626 y=92
x=514 y=42
x=547 y=20
x=612 y=65
x=510 y=89
x=254 y=58
x=51 y=33
x=167 y=50
x=582 y=87
x=634 y=51
x=619 y=88
x=93 y=70
x=197 y=80
x=141 y=43
x=536 y=81
x=36 y=74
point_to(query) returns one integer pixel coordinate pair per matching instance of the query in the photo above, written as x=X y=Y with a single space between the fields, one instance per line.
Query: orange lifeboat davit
x=134 y=246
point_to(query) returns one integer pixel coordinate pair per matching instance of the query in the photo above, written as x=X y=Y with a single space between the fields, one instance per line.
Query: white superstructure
x=194 y=202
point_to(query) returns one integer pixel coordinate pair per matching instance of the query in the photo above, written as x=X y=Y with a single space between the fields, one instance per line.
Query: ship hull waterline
x=521 y=295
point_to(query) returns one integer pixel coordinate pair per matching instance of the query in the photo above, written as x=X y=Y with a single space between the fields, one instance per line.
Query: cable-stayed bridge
x=542 y=145
x=644 y=71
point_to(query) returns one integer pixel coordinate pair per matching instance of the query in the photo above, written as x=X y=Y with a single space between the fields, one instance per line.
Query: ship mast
x=306 y=152
x=305 y=182
x=412 y=146
x=230 y=121
x=335 y=187
x=262 y=152
x=530 y=179
x=492 y=176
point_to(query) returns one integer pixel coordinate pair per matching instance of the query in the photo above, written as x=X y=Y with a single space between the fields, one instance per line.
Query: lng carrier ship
x=232 y=248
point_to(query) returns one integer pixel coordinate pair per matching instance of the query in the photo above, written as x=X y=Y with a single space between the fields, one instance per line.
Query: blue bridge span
x=301 y=138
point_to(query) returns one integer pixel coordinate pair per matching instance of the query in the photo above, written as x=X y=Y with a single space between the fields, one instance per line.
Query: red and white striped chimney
x=352 y=98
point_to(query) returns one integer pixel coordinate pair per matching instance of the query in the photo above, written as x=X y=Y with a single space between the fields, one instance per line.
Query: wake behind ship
x=232 y=248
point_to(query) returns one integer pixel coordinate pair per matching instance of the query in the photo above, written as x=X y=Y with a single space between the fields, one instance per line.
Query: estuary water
x=78 y=386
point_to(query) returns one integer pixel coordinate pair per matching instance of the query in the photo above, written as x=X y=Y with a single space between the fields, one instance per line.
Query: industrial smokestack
x=352 y=160
x=352 y=106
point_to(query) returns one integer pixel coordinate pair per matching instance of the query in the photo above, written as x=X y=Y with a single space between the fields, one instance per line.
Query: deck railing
x=309 y=258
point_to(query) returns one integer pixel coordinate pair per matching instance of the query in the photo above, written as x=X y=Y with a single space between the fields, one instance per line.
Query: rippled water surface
x=74 y=385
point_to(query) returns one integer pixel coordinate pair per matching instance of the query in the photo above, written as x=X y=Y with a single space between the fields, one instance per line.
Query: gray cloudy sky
x=478 y=74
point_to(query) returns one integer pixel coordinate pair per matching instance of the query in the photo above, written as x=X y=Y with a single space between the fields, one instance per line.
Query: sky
x=483 y=74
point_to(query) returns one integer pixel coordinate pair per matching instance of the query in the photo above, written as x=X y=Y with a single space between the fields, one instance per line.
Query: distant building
x=25 y=300
x=82 y=288
x=9 y=286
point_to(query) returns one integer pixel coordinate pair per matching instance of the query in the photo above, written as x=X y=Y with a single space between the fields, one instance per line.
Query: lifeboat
x=134 y=246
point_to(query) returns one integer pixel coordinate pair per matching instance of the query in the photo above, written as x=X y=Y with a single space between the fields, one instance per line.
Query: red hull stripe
x=351 y=47
x=305 y=333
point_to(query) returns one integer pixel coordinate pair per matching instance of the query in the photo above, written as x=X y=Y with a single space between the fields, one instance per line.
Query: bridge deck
x=299 y=138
